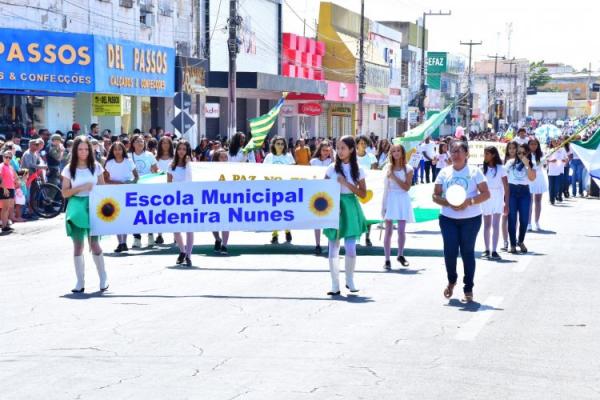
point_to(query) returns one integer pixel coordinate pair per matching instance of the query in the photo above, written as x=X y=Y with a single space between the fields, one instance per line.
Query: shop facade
x=52 y=79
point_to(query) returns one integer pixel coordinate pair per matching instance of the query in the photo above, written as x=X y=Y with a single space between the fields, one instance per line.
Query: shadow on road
x=471 y=307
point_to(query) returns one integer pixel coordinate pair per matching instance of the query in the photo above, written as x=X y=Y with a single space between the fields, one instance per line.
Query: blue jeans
x=460 y=234
x=519 y=202
x=421 y=169
x=577 y=167
x=554 y=187
x=566 y=181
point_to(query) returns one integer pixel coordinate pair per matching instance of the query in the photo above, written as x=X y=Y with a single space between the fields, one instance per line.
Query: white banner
x=214 y=206
x=476 y=150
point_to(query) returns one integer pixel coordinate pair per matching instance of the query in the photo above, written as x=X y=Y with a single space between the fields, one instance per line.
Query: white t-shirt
x=83 y=176
x=494 y=177
x=164 y=165
x=331 y=174
x=143 y=162
x=517 y=174
x=442 y=161
x=286 y=159
x=316 y=162
x=367 y=160
x=180 y=174
x=392 y=184
x=558 y=167
x=468 y=177
x=524 y=140
x=429 y=149
x=120 y=172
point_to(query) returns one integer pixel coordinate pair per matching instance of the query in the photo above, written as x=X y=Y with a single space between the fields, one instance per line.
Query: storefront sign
x=310 y=108
x=341 y=110
x=212 y=110
x=127 y=67
x=69 y=62
x=436 y=66
x=288 y=110
x=214 y=206
x=341 y=92
x=42 y=60
x=106 y=105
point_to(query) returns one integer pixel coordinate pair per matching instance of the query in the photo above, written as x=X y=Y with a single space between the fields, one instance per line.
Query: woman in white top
x=509 y=153
x=145 y=163
x=520 y=173
x=396 y=204
x=366 y=161
x=539 y=186
x=236 y=149
x=383 y=149
x=442 y=160
x=321 y=158
x=179 y=171
x=460 y=224
x=78 y=179
x=119 y=169
x=497 y=204
x=556 y=167
x=279 y=155
x=164 y=158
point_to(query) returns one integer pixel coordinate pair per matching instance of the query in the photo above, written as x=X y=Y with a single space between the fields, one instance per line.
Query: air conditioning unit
x=182 y=49
x=165 y=7
x=126 y=3
x=147 y=20
x=146 y=6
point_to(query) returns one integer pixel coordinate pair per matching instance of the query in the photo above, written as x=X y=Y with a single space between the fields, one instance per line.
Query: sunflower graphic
x=108 y=210
x=321 y=204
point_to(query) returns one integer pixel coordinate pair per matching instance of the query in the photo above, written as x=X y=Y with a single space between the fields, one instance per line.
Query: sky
x=563 y=32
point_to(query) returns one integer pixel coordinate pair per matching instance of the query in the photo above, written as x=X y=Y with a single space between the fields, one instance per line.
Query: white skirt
x=398 y=206
x=495 y=204
x=540 y=185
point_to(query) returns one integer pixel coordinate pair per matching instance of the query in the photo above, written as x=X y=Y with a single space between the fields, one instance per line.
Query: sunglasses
x=8 y=157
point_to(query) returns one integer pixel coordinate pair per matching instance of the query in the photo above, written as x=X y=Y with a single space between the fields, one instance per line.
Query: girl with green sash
x=352 y=224
x=78 y=179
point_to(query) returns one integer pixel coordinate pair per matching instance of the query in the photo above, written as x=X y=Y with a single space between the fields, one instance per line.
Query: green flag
x=419 y=133
x=260 y=126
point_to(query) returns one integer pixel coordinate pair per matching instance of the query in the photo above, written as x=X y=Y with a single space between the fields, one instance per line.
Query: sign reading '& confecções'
x=68 y=62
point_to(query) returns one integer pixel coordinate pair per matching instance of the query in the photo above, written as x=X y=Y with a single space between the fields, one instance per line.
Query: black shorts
x=11 y=194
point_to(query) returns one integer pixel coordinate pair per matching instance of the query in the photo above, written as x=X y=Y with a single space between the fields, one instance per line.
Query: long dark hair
x=317 y=153
x=538 y=152
x=285 y=145
x=90 y=162
x=236 y=143
x=354 y=170
x=111 y=152
x=496 y=160
x=188 y=152
x=381 y=147
x=134 y=138
x=159 y=150
x=511 y=143
x=518 y=164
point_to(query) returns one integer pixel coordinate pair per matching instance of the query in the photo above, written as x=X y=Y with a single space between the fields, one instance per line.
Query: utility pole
x=423 y=86
x=470 y=43
x=362 y=84
x=493 y=116
x=233 y=23
x=513 y=101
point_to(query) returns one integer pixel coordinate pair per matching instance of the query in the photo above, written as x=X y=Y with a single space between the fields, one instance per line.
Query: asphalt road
x=258 y=325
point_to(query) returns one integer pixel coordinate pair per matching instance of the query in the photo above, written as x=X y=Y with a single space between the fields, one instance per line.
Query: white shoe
x=99 y=261
x=137 y=243
x=349 y=272
x=150 y=239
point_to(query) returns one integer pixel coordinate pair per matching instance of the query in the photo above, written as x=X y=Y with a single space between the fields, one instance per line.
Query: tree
x=538 y=74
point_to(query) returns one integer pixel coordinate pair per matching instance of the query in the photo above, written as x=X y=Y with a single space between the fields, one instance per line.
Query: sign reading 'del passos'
x=310 y=108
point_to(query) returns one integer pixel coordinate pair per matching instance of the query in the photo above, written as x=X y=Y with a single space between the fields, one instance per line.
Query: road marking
x=471 y=329
x=522 y=263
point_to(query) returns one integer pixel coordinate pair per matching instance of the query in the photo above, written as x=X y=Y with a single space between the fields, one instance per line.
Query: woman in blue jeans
x=520 y=173
x=460 y=224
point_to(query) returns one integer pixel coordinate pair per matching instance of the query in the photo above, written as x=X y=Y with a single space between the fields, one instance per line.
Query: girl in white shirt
x=497 y=204
x=509 y=153
x=442 y=160
x=236 y=149
x=119 y=169
x=79 y=178
x=164 y=158
x=321 y=158
x=367 y=161
x=537 y=187
x=556 y=166
x=179 y=172
x=396 y=202
x=145 y=163
x=279 y=155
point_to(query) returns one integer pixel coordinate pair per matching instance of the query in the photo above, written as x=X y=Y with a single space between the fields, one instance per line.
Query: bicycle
x=45 y=199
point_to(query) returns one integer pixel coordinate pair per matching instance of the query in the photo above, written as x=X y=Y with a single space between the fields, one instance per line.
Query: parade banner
x=214 y=206
x=477 y=148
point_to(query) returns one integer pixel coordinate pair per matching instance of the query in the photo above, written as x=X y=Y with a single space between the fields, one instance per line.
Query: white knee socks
x=79 y=262
x=99 y=261
x=349 y=269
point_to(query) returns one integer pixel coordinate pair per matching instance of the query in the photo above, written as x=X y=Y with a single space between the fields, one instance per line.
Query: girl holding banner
x=164 y=158
x=352 y=223
x=279 y=155
x=78 y=179
x=119 y=169
x=539 y=186
x=145 y=163
x=179 y=171
x=321 y=158
x=497 y=205
x=396 y=202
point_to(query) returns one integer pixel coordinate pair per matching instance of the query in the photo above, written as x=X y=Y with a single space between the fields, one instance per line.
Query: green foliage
x=538 y=74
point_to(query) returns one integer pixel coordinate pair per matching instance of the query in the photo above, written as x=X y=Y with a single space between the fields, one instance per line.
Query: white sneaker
x=137 y=243
x=150 y=239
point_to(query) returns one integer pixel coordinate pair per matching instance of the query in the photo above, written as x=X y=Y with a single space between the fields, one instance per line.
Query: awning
x=268 y=82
